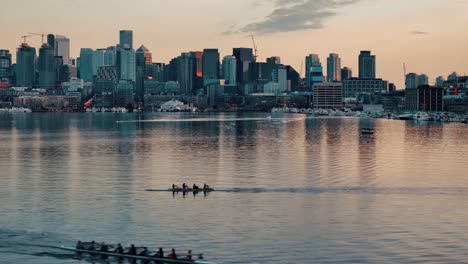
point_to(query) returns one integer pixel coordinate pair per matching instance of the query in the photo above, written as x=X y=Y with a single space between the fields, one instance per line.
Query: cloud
x=418 y=32
x=294 y=15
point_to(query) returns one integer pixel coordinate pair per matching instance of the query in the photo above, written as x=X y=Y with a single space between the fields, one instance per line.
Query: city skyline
x=404 y=34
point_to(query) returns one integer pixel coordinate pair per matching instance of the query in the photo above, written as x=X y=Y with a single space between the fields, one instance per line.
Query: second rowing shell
x=181 y=190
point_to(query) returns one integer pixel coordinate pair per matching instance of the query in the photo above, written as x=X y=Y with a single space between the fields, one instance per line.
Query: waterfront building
x=293 y=77
x=280 y=76
x=346 y=73
x=328 y=95
x=423 y=79
x=124 y=93
x=412 y=81
x=309 y=61
x=110 y=56
x=366 y=65
x=210 y=65
x=25 y=66
x=86 y=64
x=244 y=57
x=5 y=64
x=424 y=98
x=104 y=86
x=230 y=69
x=354 y=86
x=47 y=67
x=333 y=68
x=62 y=48
x=272 y=88
x=126 y=39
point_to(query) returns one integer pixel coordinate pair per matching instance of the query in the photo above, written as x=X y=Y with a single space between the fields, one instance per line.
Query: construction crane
x=25 y=37
x=39 y=34
x=255 y=48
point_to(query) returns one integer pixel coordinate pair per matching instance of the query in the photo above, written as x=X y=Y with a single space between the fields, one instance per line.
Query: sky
x=429 y=36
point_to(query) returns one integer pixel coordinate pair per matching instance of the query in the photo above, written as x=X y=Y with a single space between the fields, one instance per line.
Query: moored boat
x=367 y=131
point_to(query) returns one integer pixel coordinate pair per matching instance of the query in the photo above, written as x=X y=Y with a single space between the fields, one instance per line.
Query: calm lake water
x=292 y=189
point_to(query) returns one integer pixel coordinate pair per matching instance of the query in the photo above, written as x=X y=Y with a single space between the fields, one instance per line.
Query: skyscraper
x=126 y=64
x=230 y=69
x=143 y=70
x=47 y=67
x=25 y=65
x=366 y=65
x=126 y=38
x=333 y=68
x=198 y=69
x=62 y=48
x=51 y=41
x=5 y=64
x=316 y=73
x=98 y=60
x=86 y=64
x=210 y=64
x=309 y=60
x=185 y=73
x=423 y=79
x=412 y=81
x=346 y=73
x=244 y=57
x=110 y=56
x=274 y=60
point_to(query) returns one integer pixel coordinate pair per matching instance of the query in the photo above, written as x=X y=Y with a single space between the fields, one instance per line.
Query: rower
x=145 y=252
x=206 y=187
x=93 y=246
x=174 y=187
x=104 y=248
x=119 y=249
x=195 y=187
x=132 y=250
x=189 y=255
x=159 y=254
x=173 y=255
x=79 y=245
x=184 y=186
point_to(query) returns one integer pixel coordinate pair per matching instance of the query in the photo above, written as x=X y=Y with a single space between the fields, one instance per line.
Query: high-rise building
x=62 y=48
x=126 y=38
x=5 y=64
x=346 y=73
x=440 y=81
x=244 y=57
x=366 y=65
x=198 y=69
x=328 y=95
x=210 y=64
x=185 y=73
x=309 y=60
x=316 y=73
x=143 y=70
x=412 y=81
x=353 y=87
x=98 y=60
x=47 y=67
x=280 y=76
x=25 y=65
x=126 y=64
x=230 y=69
x=51 y=40
x=333 y=68
x=86 y=64
x=423 y=79
x=110 y=56
x=274 y=60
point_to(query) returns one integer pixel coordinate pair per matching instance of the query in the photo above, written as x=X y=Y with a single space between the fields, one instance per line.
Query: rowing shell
x=190 y=190
x=112 y=254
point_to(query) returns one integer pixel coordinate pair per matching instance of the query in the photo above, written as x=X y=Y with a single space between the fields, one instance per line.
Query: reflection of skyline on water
x=314 y=183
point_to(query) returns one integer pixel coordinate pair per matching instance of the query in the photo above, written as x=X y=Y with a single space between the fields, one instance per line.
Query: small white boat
x=422 y=116
x=406 y=117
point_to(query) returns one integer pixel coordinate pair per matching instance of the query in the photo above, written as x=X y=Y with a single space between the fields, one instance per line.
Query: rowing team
x=92 y=246
x=194 y=187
